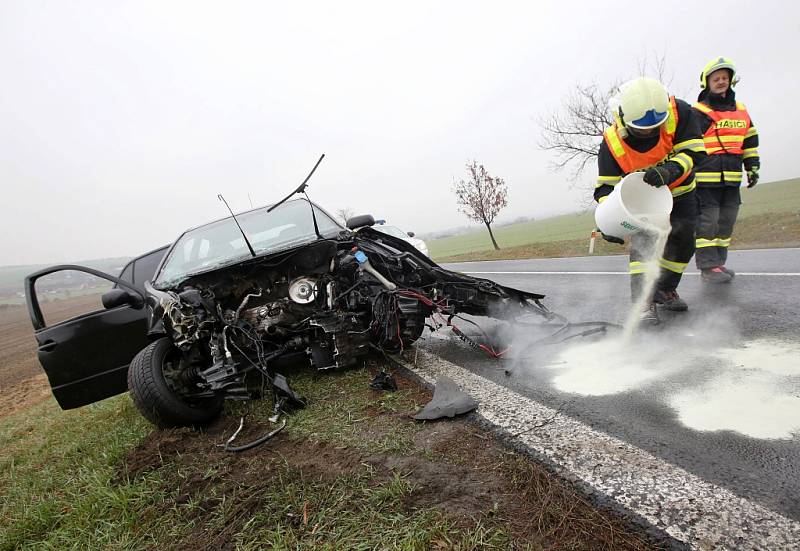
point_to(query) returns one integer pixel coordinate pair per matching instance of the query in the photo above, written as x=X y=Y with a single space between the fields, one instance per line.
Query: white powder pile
x=756 y=393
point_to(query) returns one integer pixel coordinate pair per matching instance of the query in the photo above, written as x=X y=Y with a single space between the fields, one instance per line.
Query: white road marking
x=683 y=505
x=779 y=274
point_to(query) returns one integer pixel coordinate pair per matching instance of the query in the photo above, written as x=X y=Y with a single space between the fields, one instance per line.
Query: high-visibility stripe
x=684 y=189
x=684 y=160
x=603 y=198
x=751 y=132
x=713 y=140
x=672 y=118
x=702 y=107
x=708 y=176
x=637 y=267
x=701 y=243
x=727 y=176
x=613 y=139
x=695 y=144
x=607 y=181
x=677 y=267
x=749 y=153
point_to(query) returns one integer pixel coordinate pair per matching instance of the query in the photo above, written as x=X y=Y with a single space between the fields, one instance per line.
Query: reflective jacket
x=678 y=140
x=730 y=140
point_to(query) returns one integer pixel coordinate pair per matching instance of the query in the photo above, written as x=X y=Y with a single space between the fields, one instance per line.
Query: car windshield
x=221 y=243
x=394 y=231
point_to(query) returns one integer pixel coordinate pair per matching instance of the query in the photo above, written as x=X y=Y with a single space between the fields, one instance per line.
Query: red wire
x=439 y=307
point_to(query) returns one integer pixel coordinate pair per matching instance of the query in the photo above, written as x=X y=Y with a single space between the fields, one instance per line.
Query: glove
x=612 y=239
x=663 y=175
x=752 y=177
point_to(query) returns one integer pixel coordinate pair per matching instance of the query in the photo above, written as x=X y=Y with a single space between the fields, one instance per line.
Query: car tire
x=153 y=397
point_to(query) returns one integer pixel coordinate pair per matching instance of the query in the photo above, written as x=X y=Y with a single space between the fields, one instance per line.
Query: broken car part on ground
x=233 y=301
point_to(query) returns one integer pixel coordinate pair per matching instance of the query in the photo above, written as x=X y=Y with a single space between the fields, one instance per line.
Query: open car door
x=86 y=357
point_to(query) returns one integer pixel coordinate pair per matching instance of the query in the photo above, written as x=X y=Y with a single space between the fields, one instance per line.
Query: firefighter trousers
x=719 y=207
x=677 y=253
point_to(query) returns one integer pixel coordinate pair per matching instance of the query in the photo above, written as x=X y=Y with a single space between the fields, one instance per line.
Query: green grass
x=568 y=235
x=60 y=483
x=56 y=472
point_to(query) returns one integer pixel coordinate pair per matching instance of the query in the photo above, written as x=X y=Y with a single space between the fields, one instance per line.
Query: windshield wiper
x=302 y=189
x=247 y=241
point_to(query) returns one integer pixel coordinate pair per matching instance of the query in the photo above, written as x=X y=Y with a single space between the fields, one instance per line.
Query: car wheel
x=153 y=396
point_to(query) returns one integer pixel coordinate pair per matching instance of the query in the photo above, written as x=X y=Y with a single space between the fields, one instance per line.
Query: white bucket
x=633 y=206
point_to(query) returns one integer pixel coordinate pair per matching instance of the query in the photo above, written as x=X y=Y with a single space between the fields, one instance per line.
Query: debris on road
x=448 y=401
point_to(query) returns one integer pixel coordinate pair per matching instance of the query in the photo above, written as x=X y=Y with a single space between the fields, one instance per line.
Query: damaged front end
x=328 y=302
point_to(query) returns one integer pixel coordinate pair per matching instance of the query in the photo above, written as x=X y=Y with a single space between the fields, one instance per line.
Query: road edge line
x=667 y=501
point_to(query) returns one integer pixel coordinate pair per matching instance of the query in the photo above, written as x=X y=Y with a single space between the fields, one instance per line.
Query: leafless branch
x=574 y=132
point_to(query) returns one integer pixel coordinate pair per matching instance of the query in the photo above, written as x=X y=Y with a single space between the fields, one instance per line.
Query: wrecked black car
x=232 y=301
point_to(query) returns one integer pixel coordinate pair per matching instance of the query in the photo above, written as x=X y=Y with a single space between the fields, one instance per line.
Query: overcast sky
x=121 y=121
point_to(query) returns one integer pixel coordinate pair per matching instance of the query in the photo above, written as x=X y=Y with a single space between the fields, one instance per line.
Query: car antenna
x=302 y=189
x=247 y=241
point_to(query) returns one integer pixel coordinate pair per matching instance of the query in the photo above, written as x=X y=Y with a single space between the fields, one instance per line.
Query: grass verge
x=351 y=471
x=754 y=232
x=768 y=218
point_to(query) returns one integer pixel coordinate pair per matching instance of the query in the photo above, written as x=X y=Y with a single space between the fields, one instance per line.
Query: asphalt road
x=714 y=391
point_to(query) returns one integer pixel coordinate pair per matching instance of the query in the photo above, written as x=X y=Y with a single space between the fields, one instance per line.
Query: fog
x=121 y=122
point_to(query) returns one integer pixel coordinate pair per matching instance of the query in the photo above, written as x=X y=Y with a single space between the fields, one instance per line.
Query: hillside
x=769 y=217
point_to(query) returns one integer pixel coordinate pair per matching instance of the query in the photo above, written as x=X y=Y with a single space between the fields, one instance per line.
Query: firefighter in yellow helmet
x=731 y=141
x=655 y=133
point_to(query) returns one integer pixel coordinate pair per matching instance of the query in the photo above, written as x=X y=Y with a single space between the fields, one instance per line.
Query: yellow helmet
x=642 y=103
x=715 y=65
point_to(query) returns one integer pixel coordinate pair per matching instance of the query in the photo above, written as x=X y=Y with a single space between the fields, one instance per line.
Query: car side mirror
x=411 y=234
x=119 y=297
x=360 y=221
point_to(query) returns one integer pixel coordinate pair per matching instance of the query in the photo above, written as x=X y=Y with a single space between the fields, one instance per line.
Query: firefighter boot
x=715 y=275
x=649 y=315
x=728 y=271
x=670 y=300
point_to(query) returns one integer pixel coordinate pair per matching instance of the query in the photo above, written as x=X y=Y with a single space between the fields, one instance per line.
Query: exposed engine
x=330 y=301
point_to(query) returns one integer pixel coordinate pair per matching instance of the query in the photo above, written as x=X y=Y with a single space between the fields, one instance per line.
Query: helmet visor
x=651 y=119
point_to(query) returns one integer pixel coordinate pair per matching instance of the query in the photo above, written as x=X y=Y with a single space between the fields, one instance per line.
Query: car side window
x=127 y=273
x=68 y=294
x=144 y=268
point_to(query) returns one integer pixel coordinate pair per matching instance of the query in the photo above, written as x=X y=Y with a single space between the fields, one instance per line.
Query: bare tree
x=574 y=132
x=344 y=213
x=481 y=196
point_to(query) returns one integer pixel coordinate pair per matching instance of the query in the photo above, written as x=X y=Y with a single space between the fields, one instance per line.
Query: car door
x=86 y=357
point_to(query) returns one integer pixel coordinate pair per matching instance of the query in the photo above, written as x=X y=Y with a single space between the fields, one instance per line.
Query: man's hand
x=752 y=177
x=663 y=175
x=612 y=239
